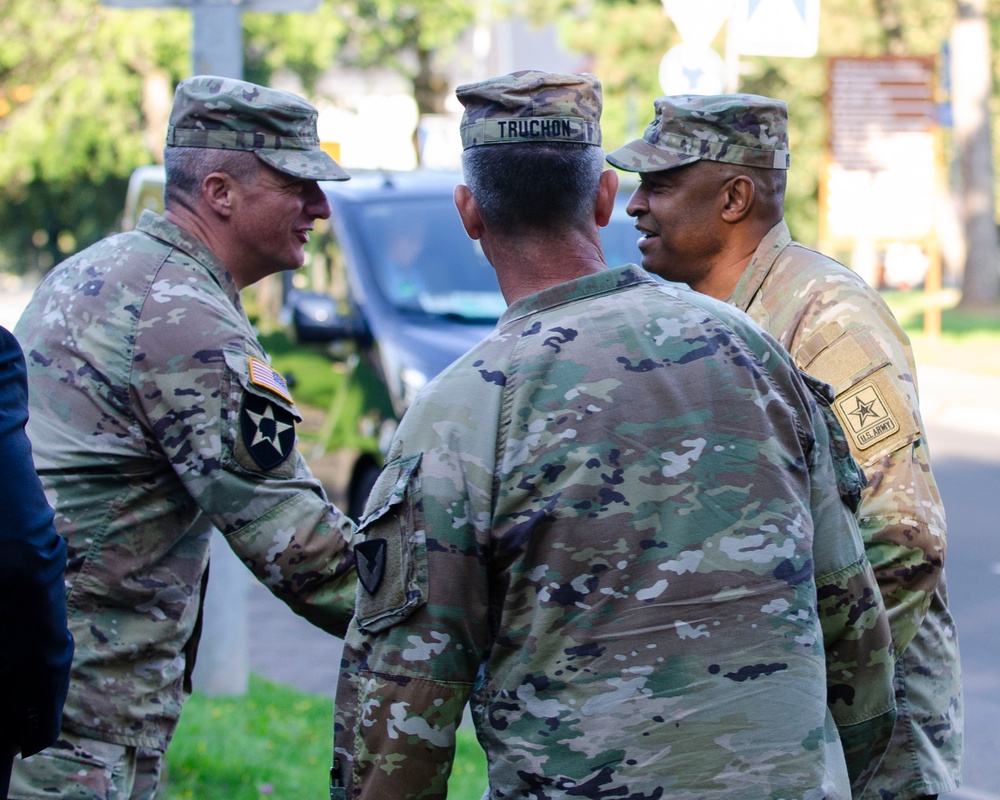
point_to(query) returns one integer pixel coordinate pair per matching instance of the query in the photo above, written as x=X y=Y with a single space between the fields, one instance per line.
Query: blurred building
x=373 y=118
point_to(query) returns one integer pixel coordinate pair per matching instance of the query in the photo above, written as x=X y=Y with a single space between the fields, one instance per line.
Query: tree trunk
x=157 y=98
x=893 y=31
x=971 y=78
x=429 y=90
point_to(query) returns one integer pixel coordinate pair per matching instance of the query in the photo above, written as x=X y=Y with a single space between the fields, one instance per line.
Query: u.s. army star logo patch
x=867 y=417
x=268 y=430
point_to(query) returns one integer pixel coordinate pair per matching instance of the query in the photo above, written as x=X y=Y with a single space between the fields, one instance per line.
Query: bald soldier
x=614 y=528
x=709 y=209
x=155 y=415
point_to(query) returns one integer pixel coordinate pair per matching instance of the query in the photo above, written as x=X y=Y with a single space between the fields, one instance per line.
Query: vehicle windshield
x=424 y=261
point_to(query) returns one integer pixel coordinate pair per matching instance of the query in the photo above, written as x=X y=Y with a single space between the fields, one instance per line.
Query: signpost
x=697 y=23
x=880 y=185
x=692 y=69
x=273 y=6
x=787 y=28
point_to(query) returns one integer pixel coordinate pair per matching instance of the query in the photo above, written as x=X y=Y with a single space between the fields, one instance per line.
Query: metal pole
x=223 y=665
x=218 y=40
x=732 y=57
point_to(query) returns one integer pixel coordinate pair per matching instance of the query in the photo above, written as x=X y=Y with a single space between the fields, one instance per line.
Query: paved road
x=967 y=466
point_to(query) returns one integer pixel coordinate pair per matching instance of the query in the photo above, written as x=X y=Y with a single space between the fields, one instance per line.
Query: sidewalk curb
x=970 y=793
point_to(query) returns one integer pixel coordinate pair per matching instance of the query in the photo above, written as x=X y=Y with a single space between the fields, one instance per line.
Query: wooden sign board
x=274 y=6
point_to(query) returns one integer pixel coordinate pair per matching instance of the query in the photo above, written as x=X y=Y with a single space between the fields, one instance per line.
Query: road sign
x=692 y=69
x=883 y=180
x=777 y=27
x=274 y=6
x=698 y=22
x=883 y=157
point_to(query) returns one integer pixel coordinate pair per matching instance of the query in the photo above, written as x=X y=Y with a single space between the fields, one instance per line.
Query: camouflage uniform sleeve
x=230 y=439
x=422 y=623
x=855 y=626
x=902 y=518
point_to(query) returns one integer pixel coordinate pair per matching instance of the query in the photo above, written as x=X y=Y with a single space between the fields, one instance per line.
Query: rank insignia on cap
x=264 y=375
x=371 y=563
x=268 y=430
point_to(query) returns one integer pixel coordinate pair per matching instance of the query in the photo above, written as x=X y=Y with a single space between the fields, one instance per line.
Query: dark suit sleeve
x=37 y=648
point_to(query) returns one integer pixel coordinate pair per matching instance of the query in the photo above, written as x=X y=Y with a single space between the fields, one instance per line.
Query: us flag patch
x=263 y=375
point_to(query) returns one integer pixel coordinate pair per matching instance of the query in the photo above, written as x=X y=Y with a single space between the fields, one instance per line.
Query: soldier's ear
x=738 y=196
x=217 y=193
x=606 y=192
x=468 y=211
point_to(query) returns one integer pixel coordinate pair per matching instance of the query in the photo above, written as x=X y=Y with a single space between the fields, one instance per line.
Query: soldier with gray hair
x=710 y=212
x=618 y=528
x=156 y=415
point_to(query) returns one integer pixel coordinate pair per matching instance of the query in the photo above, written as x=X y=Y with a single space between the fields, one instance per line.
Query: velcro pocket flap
x=392 y=556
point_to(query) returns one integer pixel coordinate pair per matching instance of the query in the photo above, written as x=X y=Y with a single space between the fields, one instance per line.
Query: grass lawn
x=275 y=743
x=968 y=341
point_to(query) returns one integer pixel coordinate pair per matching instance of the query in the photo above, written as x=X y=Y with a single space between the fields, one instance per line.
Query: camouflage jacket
x=154 y=416
x=839 y=329
x=607 y=527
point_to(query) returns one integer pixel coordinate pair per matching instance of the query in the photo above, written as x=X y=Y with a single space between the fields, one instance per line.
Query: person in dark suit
x=36 y=647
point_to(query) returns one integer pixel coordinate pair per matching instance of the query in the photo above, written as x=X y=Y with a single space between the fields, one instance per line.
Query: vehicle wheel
x=361 y=489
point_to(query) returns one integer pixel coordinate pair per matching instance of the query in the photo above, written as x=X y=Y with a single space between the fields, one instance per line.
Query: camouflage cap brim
x=216 y=113
x=744 y=129
x=314 y=165
x=640 y=156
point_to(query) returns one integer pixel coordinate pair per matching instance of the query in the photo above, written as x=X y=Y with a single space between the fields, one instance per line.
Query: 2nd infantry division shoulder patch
x=866 y=416
x=268 y=431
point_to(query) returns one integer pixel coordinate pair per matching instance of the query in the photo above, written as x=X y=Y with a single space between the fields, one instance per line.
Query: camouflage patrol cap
x=229 y=114
x=741 y=129
x=531 y=106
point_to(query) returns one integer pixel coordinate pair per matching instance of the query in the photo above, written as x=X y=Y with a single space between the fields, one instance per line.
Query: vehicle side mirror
x=315 y=318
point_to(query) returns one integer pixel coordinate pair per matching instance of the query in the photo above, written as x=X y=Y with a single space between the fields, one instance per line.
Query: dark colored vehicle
x=397 y=291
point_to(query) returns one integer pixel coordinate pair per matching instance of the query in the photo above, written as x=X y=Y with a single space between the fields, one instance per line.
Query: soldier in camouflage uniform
x=710 y=209
x=609 y=527
x=155 y=415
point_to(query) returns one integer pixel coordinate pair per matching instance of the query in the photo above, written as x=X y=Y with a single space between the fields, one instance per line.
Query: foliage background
x=85 y=89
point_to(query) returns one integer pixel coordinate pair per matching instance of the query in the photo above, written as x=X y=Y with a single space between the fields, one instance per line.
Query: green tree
x=78 y=89
x=85 y=93
x=304 y=44
x=413 y=37
x=85 y=89
x=626 y=39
